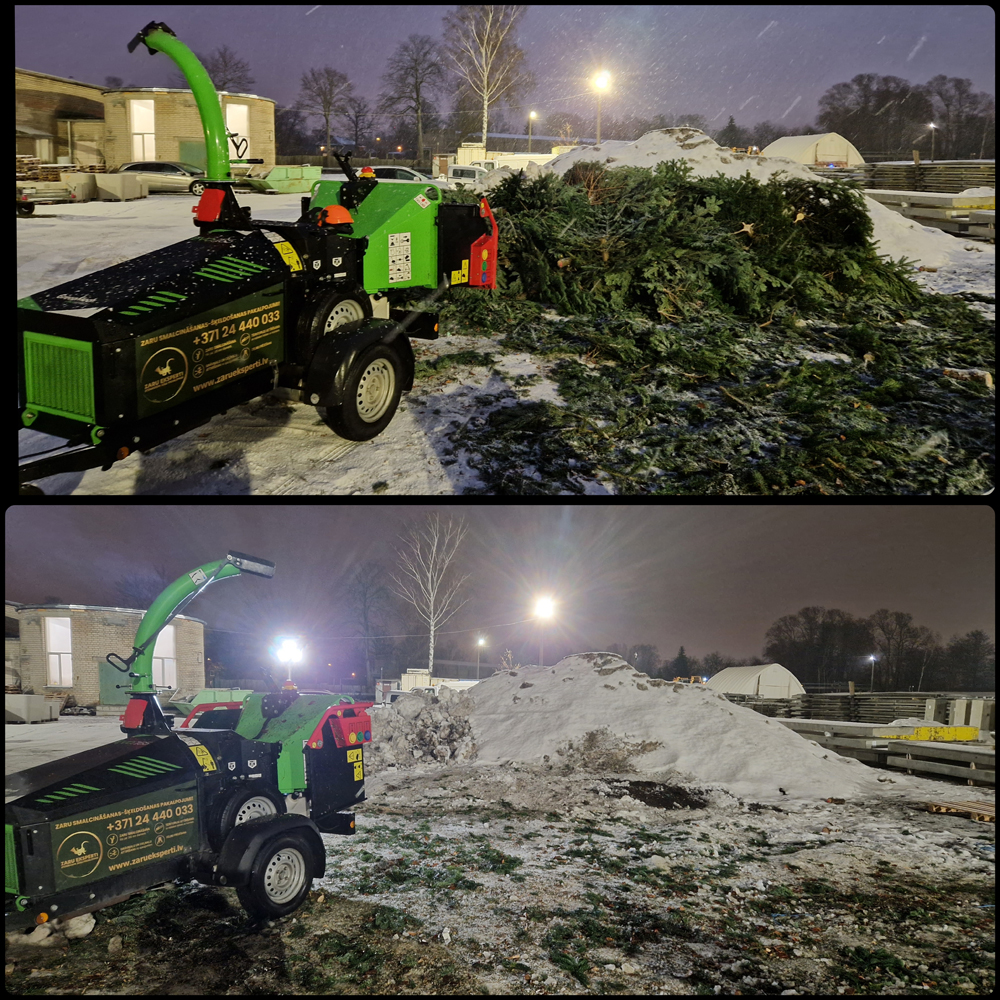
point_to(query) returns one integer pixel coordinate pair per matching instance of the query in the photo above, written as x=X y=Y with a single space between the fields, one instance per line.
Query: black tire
x=339 y=309
x=27 y=490
x=197 y=188
x=243 y=805
x=371 y=395
x=279 y=878
x=25 y=208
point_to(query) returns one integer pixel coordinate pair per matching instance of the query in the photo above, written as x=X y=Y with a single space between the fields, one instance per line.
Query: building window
x=238 y=123
x=164 y=659
x=143 y=132
x=59 y=652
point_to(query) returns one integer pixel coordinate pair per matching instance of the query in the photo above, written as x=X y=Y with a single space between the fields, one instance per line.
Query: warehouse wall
x=95 y=632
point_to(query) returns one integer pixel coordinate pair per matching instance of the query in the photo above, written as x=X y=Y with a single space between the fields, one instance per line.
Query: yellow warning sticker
x=204 y=758
x=353 y=756
x=359 y=771
x=288 y=254
x=458 y=277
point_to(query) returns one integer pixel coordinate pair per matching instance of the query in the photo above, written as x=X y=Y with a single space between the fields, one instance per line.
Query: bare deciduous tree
x=415 y=72
x=368 y=598
x=426 y=578
x=480 y=39
x=359 y=120
x=227 y=70
x=324 y=93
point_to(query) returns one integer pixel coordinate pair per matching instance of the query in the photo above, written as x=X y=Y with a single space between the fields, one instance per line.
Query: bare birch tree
x=426 y=578
x=480 y=39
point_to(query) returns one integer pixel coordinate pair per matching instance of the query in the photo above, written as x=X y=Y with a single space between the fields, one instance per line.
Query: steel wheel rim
x=375 y=390
x=286 y=871
x=343 y=313
x=254 y=808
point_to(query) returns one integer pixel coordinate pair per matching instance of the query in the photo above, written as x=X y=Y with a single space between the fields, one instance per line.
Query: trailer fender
x=326 y=377
x=244 y=841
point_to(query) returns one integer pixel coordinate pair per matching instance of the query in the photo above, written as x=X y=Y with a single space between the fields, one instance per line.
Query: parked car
x=462 y=176
x=407 y=174
x=164 y=175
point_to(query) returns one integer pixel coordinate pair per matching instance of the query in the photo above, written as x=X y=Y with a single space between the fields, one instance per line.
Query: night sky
x=708 y=580
x=756 y=63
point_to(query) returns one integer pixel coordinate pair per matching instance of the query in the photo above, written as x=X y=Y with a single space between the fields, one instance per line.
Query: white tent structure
x=770 y=680
x=828 y=150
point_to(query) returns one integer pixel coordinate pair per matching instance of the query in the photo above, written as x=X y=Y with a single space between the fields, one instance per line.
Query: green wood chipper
x=128 y=357
x=237 y=796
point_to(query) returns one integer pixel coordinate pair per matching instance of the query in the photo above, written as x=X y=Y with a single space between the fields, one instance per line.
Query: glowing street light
x=545 y=607
x=871 y=686
x=531 y=117
x=288 y=651
x=480 y=642
x=932 y=128
x=601 y=82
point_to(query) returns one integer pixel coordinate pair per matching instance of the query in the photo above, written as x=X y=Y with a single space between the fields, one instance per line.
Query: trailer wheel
x=279 y=878
x=339 y=309
x=25 y=208
x=371 y=395
x=241 y=806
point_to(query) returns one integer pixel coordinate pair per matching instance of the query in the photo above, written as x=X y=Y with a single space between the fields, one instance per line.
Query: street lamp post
x=531 y=116
x=871 y=683
x=600 y=83
x=933 y=128
x=479 y=646
x=544 y=608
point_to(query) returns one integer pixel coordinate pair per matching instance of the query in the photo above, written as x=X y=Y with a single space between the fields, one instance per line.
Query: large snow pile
x=594 y=710
x=705 y=156
x=894 y=235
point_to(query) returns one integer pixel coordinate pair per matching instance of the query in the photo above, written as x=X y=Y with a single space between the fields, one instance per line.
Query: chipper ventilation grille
x=10 y=861
x=58 y=375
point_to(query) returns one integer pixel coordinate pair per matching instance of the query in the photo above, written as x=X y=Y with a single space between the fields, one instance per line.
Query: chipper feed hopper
x=239 y=799
x=128 y=357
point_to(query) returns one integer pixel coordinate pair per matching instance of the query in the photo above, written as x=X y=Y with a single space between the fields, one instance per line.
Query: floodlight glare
x=289 y=651
x=544 y=607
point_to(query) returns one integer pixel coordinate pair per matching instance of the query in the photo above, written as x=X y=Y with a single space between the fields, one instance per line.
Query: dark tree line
x=829 y=646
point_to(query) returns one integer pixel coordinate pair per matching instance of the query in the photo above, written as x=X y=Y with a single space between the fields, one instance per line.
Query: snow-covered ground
x=583 y=828
x=272 y=447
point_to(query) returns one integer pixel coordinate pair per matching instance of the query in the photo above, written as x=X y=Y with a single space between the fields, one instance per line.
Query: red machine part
x=209 y=205
x=483 y=253
x=207 y=707
x=349 y=725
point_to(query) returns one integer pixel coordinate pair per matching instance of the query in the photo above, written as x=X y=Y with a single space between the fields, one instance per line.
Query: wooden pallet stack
x=52 y=171
x=948 y=176
x=27 y=168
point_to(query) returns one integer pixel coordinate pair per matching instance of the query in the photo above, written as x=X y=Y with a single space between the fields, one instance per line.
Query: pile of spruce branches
x=721 y=335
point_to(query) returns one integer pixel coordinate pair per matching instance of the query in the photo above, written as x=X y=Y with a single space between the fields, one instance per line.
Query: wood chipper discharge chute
x=239 y=798
x=126 y=358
